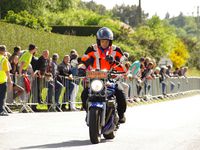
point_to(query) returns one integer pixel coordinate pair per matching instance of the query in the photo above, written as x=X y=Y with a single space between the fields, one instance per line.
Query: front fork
x=98 y=105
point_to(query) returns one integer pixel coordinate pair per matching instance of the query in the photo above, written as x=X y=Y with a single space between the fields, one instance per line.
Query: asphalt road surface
x=169 y=125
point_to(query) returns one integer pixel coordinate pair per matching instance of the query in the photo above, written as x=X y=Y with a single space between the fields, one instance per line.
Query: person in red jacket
x=101 y=56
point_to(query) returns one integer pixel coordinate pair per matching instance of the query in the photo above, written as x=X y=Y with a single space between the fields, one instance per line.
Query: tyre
x=95 y=125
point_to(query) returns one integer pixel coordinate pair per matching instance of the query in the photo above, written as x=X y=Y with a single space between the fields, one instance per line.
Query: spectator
x=176 y=72
x=139 y=83
x=57 y=81
x=169 y=71
x=146 y=61
x=147 y=75
x=185 y=71
x=17 y=90
x=74 y=62
x=163 y=77
x=5 y=79
x=34 y=62
x=125 y=84
x=182 y=71
x=26 y=58
x=170 y=74
x=135 y=67
x=135 y=71
x=7 y=55
x=74 y=67
x=17 y=51
x=157 y=72
x=43 y=82
x=65 y=70
x=24 y=64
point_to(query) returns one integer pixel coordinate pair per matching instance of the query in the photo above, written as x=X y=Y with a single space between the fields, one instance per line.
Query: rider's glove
x=110 y=59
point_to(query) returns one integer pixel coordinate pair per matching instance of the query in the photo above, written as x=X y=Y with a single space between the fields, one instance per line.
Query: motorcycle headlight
x=96 y=85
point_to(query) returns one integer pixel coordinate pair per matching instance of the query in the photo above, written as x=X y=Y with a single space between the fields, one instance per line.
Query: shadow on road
x=72 y=143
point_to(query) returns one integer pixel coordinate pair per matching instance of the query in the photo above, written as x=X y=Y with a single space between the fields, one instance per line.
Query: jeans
x=3 y=88
x=147 y=87
x=69 y=89
x=163 y=84
x=50 y=91
x=58 y=88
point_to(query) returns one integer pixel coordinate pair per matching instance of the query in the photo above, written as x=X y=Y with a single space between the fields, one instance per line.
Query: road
x=169 y=125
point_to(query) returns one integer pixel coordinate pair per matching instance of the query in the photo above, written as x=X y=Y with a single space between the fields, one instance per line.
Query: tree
x=127 y=14
x=179 y=54
x=167 y=16
x=36 y=7
x=91 y=5
x=15 y=5
x=155 y=39
x=32 y=6
x=178 y=21
x=67 y=4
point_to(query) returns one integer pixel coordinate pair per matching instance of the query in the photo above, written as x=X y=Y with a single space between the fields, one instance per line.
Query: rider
x=103 y=55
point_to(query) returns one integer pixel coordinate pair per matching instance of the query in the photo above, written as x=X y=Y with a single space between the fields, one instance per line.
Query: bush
x=26 y=19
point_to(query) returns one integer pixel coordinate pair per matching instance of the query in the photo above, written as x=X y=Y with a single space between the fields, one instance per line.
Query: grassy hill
x=12 y=35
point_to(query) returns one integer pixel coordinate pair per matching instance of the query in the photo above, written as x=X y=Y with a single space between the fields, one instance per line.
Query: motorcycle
x=102 y=116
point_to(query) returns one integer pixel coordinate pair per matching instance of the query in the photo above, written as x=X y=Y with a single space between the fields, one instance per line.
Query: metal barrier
x=173 y=85
x=55 y=93
x=45 y=90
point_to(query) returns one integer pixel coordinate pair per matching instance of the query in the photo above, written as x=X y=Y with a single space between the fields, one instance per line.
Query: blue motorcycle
x=102 y=116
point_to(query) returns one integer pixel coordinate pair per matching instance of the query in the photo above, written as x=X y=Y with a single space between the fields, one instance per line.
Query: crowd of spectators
x=146 y=69
x=53 y=77
x=43 y=75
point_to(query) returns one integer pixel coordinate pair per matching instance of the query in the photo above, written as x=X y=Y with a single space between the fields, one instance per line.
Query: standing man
x=57 y=83
x=65 y=70
x=25 y=59
x=5 y=79
x=42 y=65
x=24 y=65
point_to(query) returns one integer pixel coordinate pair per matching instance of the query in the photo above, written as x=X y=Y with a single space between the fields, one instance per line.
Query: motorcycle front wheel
x=95 y=125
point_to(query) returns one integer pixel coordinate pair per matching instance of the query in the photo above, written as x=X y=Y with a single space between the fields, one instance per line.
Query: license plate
x=96 y=74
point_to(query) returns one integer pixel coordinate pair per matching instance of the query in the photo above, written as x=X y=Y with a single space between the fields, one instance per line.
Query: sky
x=158 y=7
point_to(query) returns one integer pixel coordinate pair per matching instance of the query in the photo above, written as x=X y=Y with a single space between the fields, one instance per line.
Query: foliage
x=194 y=49
x=127 y=14
x=188 y=29
x=183 y=23
x=72 y=17
x=37 y=7
x=193 y=72
x=179 y=54
x=26 y=19
x=92 y=6
x=155 y=39
x=12 y=35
